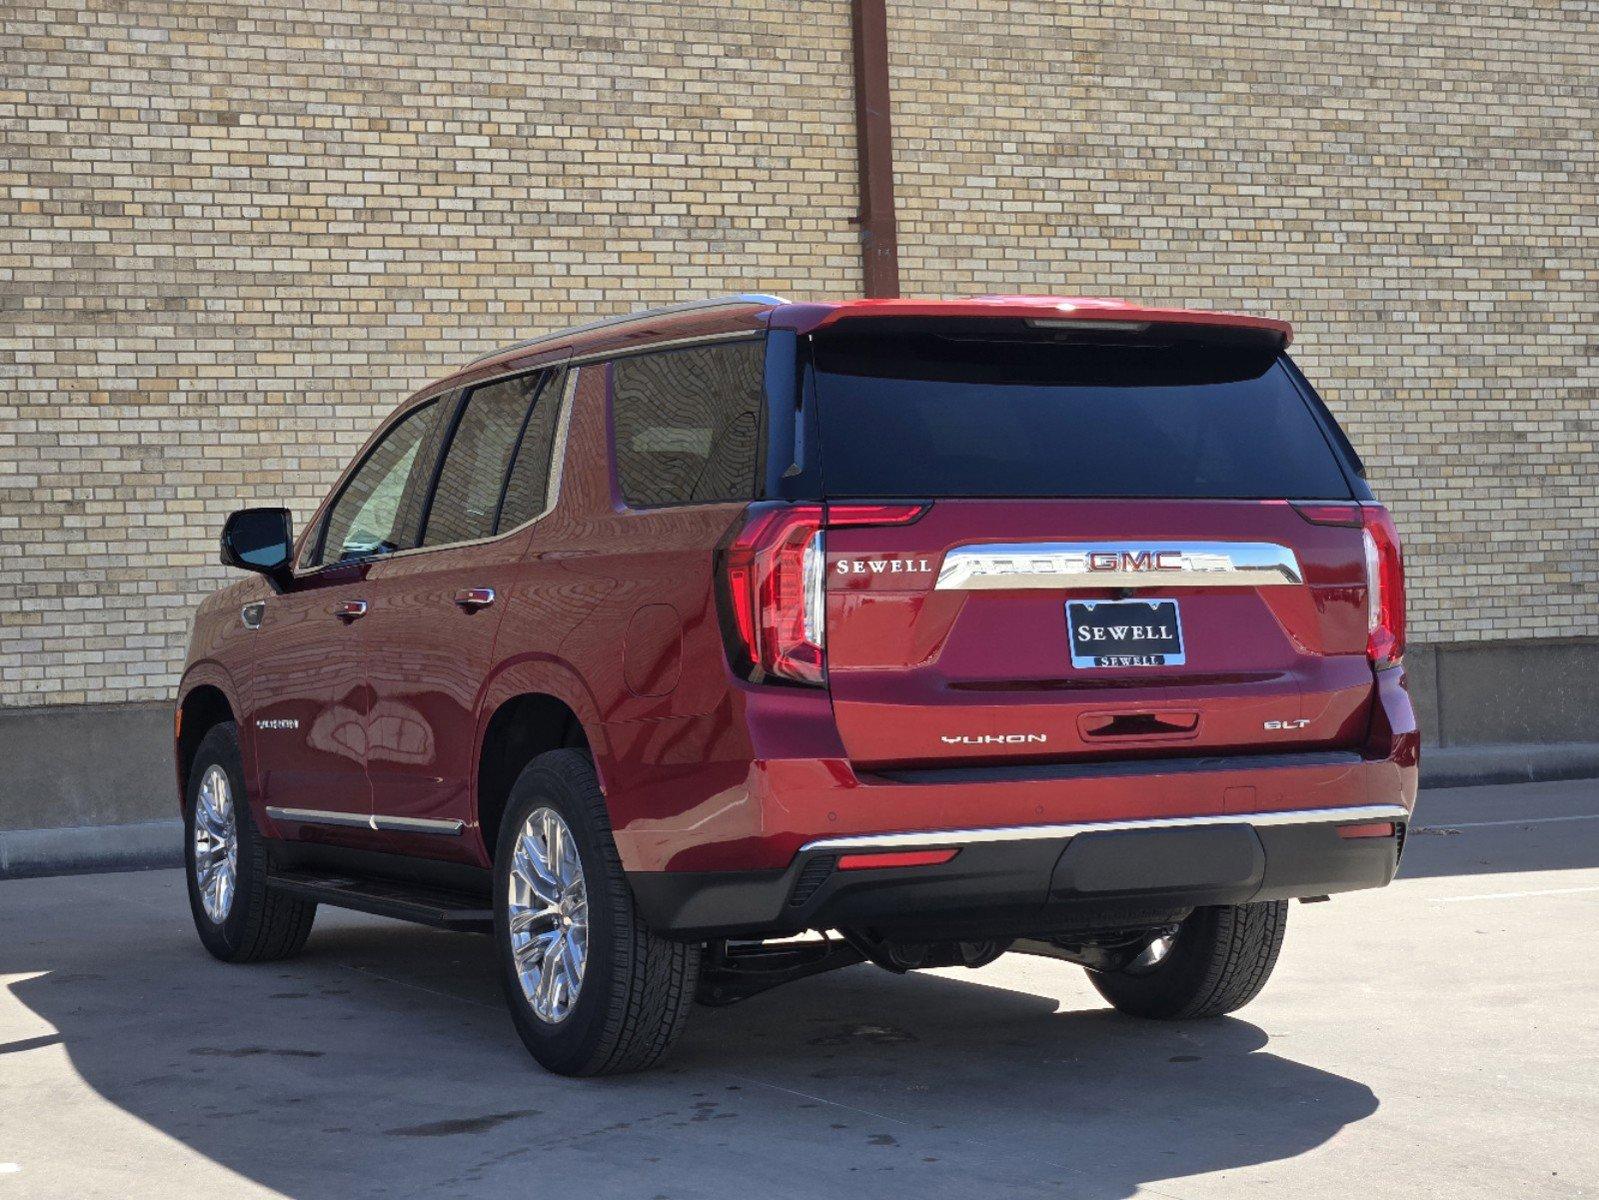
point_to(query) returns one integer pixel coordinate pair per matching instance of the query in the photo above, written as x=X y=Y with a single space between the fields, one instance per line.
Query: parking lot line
x=1497 y=824
x=1513 y=895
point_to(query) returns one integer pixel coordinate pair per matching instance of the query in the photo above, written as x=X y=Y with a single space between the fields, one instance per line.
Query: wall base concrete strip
x=86 y=765
x=86 y=849
x=1465 y=766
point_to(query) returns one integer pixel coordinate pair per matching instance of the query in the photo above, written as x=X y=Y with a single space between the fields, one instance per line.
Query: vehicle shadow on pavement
x=381 y=1062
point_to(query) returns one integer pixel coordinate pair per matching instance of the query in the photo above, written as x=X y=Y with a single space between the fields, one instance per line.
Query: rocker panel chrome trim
x=1070 y=565
x=317 y=816
x=1026 y=833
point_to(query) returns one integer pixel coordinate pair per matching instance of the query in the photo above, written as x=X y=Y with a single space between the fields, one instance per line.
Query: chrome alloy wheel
x=548 y=915
x=216 y=844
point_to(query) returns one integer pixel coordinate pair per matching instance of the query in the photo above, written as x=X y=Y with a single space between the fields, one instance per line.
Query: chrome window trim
x=317 y=816
x=1006 y=565
x=1027 y=833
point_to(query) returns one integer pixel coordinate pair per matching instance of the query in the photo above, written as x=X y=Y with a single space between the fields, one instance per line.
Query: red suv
x=704 y=649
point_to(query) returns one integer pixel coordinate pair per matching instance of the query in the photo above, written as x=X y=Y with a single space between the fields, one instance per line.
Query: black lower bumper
x=1103 y=879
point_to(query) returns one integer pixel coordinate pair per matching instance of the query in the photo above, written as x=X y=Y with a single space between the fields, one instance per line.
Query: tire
x=635 y=989
x=1218 y=963
x=256 y=924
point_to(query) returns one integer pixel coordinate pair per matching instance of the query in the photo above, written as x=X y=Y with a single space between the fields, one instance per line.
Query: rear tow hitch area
x=732 y=971
x=1110 y=950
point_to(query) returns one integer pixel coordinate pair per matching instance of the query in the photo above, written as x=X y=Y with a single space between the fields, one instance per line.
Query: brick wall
x=1414 y=184
x=238 y=234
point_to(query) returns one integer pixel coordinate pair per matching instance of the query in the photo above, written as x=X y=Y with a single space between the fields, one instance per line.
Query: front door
x=312 y=693
x=430 y=633
x=308 y=706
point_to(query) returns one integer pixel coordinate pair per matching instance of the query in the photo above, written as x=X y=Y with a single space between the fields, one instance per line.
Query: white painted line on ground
x=1513 y=895
x=1491 y=824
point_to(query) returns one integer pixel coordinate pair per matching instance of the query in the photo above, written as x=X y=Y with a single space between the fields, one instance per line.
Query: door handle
x=473 y=599
x=349 y=610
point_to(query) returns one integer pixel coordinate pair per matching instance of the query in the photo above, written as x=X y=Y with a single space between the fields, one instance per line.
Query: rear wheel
x=1215 y=962
x=592 y=990
x=238 y=917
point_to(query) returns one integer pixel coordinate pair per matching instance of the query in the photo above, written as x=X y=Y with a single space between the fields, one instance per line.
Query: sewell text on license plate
x=1125 y=633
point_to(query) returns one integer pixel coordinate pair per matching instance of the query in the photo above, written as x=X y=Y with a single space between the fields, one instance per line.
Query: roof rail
x=739 y=299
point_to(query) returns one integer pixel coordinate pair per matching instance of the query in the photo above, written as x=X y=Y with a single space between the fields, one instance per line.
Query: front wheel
x=592 y=990
x=238 y=917
x=1215 y=962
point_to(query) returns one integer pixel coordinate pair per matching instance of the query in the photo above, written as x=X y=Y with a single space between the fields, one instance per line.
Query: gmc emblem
x=1140 y=560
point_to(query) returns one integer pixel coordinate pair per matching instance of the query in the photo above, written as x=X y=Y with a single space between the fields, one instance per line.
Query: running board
x=440 y=908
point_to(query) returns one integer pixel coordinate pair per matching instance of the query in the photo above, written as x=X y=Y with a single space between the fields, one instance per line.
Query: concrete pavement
x=1438 y=1038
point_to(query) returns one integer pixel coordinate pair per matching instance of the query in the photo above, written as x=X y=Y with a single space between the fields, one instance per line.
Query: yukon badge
x=993 y=739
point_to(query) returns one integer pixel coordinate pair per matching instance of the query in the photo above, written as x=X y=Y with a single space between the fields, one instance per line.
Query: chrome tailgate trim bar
x=1117 y=565
x=1027 y=833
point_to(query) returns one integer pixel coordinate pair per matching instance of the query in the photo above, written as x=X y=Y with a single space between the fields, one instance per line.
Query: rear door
x=430 y=634
x=1109 y=566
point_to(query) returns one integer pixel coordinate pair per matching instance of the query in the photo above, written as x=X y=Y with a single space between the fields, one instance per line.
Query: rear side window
x=687 y=424
x=527 y=489
x=379 y=508
x=1007 y=410
x=467 y=499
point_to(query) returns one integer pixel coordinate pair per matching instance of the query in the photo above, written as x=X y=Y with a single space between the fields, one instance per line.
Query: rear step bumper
x=1036 y=879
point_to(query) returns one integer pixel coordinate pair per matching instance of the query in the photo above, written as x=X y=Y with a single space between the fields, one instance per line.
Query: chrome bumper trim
x=1029 y=833
x=986 y=567
x=318 y=816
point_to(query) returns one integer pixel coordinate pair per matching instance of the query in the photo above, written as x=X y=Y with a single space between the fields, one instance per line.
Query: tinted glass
x=525 y=491
x=687 y=423
x=378 y=510
x=473 y=475
x=960 y=414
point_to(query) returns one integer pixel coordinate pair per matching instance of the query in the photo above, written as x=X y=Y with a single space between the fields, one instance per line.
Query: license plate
x=1124 y=633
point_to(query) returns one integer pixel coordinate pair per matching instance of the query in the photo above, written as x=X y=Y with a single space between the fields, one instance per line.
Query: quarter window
x=687 y=424
x=526 y=491
x=378 y=510
x=472 y=480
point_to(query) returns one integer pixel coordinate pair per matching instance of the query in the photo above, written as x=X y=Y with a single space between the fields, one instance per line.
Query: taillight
x=1385 y=587
x=774 y=585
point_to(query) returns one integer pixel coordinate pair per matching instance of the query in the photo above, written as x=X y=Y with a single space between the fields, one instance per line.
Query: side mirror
x=260 y=540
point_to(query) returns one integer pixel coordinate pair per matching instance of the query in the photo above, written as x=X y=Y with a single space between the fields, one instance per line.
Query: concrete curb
x=145 y=845
x=1522 y=762
x=87 y=849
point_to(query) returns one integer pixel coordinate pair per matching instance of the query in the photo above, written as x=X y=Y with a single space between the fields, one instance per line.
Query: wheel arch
x=527 y=711
x=204 y=702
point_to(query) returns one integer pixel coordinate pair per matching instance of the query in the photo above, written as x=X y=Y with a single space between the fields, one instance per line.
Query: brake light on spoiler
x=772 y=585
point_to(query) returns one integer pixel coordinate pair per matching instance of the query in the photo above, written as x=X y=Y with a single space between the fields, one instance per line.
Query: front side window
x=687 y=424
x=466 y=502
x=377 y=511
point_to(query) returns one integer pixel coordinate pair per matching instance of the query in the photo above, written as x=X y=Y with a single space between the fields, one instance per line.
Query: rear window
x=687 y=424
x=963 y=410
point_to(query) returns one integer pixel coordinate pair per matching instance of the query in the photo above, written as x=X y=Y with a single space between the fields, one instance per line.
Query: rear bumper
x=1029 y=880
